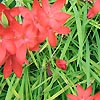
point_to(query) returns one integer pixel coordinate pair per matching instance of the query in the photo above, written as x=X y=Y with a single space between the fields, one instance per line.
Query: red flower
x=82 y=94
x=6 y=43
x=27 y=41
x=55 y=19
x=97 y=96
x=94 y=10
x=33 y=20
x=61 y=64
x=52 y=23
x=12 y=64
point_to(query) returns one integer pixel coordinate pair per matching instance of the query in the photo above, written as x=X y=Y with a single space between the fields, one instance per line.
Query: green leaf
x=12 y=4
x=4 y=20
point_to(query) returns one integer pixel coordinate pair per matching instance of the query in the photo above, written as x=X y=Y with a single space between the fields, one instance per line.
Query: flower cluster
x=16 y=37
x=84 y=94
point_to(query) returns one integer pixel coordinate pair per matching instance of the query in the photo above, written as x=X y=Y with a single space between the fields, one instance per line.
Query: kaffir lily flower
x=27 y=41
x=55 y=19
x=32 y=20
x=82 y=94
x=61 y=64
x=47 y=19
x=94 y=10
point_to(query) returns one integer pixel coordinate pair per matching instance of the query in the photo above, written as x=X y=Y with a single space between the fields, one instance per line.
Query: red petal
x=35 y=48
x=31 y=38
x=17 y=68
x=7 y=68
x=31 y=33
x=94 y=10
x=97 y=96
x=8 y=34
x=2 y=7
x=1 y=30
x=10 y=46
x=42 y=16
x=19 y=10
x=32 y=44
x=15 y=11
x=63 y=30
x=54 y=24
x=45 y=5
x=19 y=42
x=88 y=92
x=57 y=6
x=41 y=37
x=52 y=39
x=21 y=54
x=80 y=91
x=61 y=64
x=96 y=6
x=28 y=24
x=61 y=17
x=91 y=13
x=72 y=97
x=17 y=29
x=2 y=54
x=36 y=7
x=90 y=98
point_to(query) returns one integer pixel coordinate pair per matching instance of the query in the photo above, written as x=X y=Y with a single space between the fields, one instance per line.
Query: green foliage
x=81 y=50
